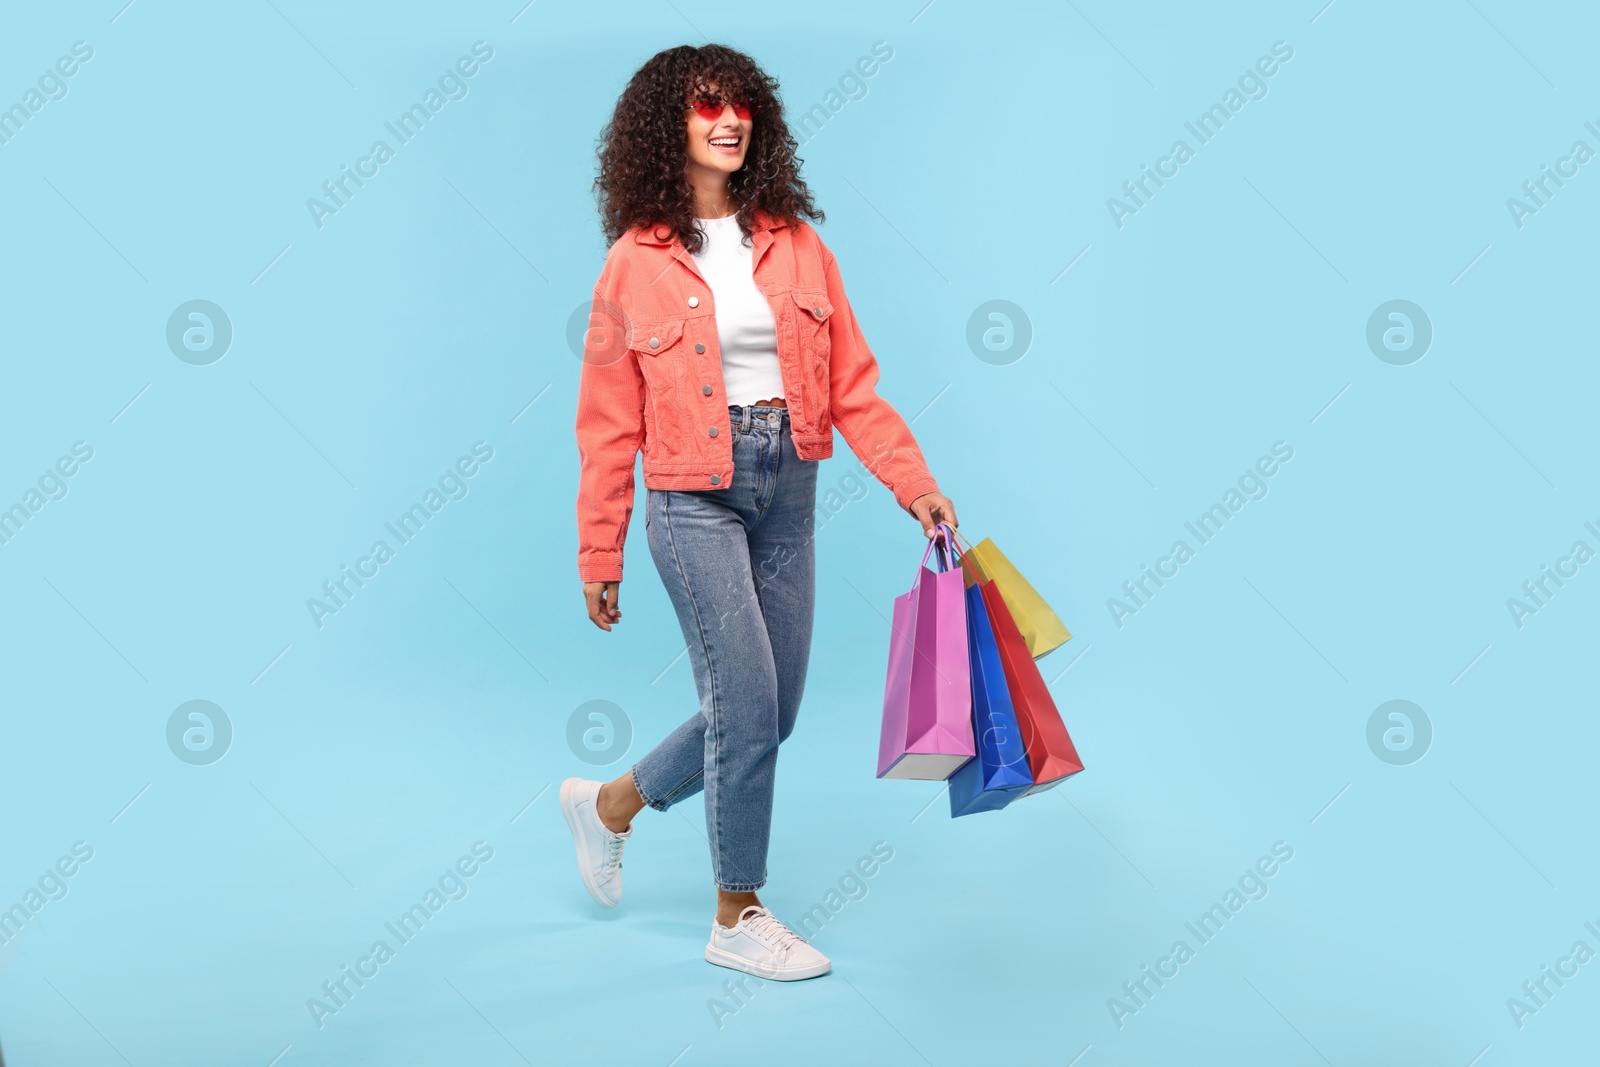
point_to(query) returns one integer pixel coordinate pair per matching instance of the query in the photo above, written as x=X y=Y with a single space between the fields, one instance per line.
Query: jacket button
x=694 y=301
x=817 y=312
x=716 y=480
x=711 y=431
x=699 y=348
x=706 y=389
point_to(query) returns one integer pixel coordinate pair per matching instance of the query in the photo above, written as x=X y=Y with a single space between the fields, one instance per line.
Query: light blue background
x=1228 y=714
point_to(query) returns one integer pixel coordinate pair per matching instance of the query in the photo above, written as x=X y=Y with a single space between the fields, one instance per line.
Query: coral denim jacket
x=652 y=379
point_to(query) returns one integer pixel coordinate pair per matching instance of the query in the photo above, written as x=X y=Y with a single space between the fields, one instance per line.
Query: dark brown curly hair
x=643 y=149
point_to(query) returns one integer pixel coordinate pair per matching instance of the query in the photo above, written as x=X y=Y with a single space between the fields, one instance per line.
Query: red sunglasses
x=711 y=110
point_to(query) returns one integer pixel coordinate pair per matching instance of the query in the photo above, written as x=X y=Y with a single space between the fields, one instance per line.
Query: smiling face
x=717 y=146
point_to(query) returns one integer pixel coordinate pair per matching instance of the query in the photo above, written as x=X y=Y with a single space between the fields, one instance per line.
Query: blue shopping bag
x=999 y=773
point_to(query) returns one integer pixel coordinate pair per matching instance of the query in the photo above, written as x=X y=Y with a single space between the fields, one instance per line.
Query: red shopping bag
x=1051 y=754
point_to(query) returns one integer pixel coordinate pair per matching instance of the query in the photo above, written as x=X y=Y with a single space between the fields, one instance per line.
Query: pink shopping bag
x=927 y=699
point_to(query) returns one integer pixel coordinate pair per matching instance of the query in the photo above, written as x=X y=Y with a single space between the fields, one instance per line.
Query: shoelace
x=613 y=854
x=767 y=926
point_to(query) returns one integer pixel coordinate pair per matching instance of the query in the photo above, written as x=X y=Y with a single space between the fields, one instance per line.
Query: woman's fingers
x=601 y=599
x=937 y=509
x=591 y=598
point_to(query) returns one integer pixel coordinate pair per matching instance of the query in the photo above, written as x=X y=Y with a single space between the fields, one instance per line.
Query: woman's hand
x=602 y=601
x=932 y=509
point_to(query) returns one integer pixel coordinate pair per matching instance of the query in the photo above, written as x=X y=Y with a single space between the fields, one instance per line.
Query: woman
x=722 y=345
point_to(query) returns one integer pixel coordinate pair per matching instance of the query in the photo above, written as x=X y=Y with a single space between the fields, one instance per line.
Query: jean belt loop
x=747 y=414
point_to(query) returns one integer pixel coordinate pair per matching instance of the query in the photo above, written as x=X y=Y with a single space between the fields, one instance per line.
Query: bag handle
x=933 y=542
x=962 y=553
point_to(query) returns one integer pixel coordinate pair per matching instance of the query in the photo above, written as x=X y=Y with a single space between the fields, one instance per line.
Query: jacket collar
x=661 y=233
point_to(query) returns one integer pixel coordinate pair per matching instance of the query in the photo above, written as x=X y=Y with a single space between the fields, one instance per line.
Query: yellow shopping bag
x=1041 y=627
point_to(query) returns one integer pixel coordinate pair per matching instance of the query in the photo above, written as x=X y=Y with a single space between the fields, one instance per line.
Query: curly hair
x=643 y=149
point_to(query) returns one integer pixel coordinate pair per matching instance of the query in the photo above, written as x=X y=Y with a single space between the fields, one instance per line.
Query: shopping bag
x=927 y=699
x=999 y=773
x=1052 y=757
x=1040 y=626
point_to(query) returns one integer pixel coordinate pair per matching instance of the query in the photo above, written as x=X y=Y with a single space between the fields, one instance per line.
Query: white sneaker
x=599 y=850
x=759 y=944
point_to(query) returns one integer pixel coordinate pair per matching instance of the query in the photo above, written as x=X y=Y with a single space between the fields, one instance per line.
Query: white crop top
x=746 y=330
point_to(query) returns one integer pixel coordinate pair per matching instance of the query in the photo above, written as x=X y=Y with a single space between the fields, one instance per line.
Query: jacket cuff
x=906 y=492
x=600 y=565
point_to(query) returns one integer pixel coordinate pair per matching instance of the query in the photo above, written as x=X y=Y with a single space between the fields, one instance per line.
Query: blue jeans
x=739 y=566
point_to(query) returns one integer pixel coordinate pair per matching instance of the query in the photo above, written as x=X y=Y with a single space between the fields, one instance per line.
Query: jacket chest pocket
x=659 y=347
x=813 y=323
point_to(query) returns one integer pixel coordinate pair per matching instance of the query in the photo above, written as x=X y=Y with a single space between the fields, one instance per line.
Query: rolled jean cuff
x=743 y=887
x=633 y=772
x=690 y=786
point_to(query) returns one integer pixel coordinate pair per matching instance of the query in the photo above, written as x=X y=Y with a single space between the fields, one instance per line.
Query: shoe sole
x=569 y=812
x=739 y=963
